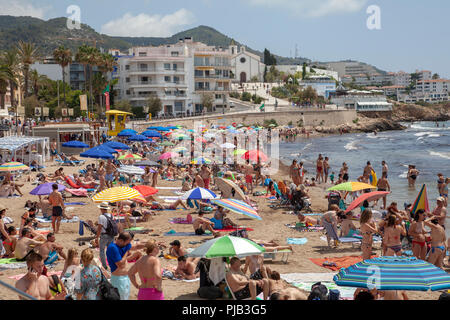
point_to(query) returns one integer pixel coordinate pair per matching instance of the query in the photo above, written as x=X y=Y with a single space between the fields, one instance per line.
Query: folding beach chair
x=63 y=160
x=333 y=235
x=273 y=255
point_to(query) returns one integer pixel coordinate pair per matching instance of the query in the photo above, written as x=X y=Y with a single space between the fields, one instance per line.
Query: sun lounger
x=67 y=161
x=273 y=255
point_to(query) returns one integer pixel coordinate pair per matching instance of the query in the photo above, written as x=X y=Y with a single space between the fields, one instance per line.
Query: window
x=127 y=80
x=243 y=60
x=174 y=66
x=199 y=73
x=167 y=79
x=142 y=54
x=166 y=66
x=174 y=53
x=128 y=92
x=127 y=67
x=176 y=79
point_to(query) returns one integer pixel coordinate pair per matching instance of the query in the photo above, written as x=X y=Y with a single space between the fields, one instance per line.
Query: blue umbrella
x=46 y=189
x=116 y=145
x=162 y=129
x=199 y=194
x=99 y=152
x=75 y=144
x=394 y=273
x=137 y=137
x=152 y=134
x=126 y=133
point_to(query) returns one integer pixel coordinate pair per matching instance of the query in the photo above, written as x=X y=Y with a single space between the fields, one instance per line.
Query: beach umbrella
x=199 y=194
x=421 y=201
x=127 y=133
x=229 y=189
x=201 y=160
x=75 y=144
x=394 y=273
x=99 y=152
x=152 y=134
x=116 y=145
x=227 y=246
x=118 y=194
x=146 y=190
x=168 y=155
x=180 y=149
x=13 y=166
x=254 y=155
x=137 y=137
x=130 y=157
x=209 y=135
x=146 y=163
x=131 y=170
x=167 y=144
x=45 y=189
x=227 y=146
x=370 y=196
x=239 y=152
x=238 y=206
x=351 y=186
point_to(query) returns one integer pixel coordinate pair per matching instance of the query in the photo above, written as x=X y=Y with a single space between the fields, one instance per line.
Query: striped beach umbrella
x=118 y=194
x=201 y=160
x=421 y=201
x=227 y=246
x=13 y=166
x=351 y=186
x=199 y=194
x=130 y=157
x=237 y=206
x=394 y=273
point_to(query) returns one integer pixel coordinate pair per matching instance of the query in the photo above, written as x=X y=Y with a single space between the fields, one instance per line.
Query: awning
x=13 y=143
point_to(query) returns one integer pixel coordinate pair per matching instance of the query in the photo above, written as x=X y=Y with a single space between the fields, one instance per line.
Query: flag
x=106 y=89
x=421 y=201
x=262 y=107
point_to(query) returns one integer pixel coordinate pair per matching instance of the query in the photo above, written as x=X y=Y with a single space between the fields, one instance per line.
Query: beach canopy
x=13 y=166
x=227 y=246
x=394 y=273
x=46 y=188
x=131 y=170
x=126 y=133
x=146 y=190
x=229 y=189
x=75 y=144
x=351 y=186
x=130 y=157
x=118 y=194
x=238 y=206
x=198 y=194
x=421 y=201
x=370 y=196
x=99 y=152
x=116 y=145
x=255 y=155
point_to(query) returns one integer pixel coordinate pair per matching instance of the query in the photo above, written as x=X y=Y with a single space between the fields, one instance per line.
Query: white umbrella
x=131 y=170
x=227 y=146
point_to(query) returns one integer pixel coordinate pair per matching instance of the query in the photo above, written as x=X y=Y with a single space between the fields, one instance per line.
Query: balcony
x=214 y=89
x=155 y=84
x=144 y=71
x=143 y=96
x=219 y=77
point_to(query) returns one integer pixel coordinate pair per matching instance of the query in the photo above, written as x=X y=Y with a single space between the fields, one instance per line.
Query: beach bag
x=106 y=290
x=210 y=293
x=334 y=294
x=111 y=229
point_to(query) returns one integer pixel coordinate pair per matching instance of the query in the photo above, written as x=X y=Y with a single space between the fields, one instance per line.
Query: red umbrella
x=254 y=155
x=370 y=196
x=146 y=190
x=201 y=140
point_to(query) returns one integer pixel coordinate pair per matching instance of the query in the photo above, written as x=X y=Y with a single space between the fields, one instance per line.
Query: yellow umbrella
x=351 y=186
x=118 y=194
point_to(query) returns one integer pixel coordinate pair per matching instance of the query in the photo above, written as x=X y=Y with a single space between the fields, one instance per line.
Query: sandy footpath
x=271 y=227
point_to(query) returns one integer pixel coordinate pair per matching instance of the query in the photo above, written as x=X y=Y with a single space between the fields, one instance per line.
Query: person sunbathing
x=173 y=206
x=347 y=226
x=176 y=250
x=202 y=224
x=393 y=295
x=270 y=246
x=25 y=245
x=10 y=246
x=6 y=189
x=220 y=215
x=186 y=269
x=308 y=220
x=50 y=250
x=278 y=290
x=243 y=287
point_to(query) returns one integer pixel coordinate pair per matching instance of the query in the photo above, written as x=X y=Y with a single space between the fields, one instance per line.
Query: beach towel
x=185 y=234
x=298 y=241
x=305 y=281
x=11 y=263
x=179 y=221
x=338 y=262
x=81 y=192
x=231 y=229
x=75 y=204
x=43 y=220
x=168 y=188
x=376 y=239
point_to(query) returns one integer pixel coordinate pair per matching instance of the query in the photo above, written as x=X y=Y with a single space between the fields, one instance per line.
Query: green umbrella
x=167 y=144
x=239 y=152
x=351 y=186
x=227 y=246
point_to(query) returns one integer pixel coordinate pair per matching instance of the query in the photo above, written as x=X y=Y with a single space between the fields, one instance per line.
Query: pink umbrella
x=370 y=196
x=168 y=155
x=254 y=155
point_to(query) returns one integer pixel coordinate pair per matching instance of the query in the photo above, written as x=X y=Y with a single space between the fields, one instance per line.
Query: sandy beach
x=272 y=227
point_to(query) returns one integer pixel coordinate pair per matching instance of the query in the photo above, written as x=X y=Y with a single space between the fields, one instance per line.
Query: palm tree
x=5 y=75
x=10 y=59
x=106 y=64
x=63 y=57
x=38 y=81
x=87 y=56
x=28 y=54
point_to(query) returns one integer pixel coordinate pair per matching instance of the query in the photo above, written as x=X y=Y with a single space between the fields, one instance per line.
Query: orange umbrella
x=146 y=190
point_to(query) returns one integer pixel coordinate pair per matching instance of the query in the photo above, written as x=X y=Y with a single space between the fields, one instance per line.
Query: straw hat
x=2 y=207
x=104 y=206
x=441 y=199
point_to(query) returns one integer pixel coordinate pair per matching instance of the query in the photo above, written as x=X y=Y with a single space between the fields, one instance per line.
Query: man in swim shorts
x=49 y=250
x=109 y=176
x=56 y=200
x=241 y=286
x=201 y=225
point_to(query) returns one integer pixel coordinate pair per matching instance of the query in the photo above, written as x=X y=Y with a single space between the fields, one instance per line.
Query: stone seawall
x=310 y=118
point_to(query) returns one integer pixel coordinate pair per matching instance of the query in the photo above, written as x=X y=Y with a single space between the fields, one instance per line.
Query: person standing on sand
x=440 y=212
x=101 y=176
x=294 y=173
x=319 y=169
x=56 y=200
x=205 y=173
x=392 y=235
x=110 y=169
x=383 y=185
x=248 y=173
x=326 y=168
x=368 y=229
x=417 y=232
x=438 y=245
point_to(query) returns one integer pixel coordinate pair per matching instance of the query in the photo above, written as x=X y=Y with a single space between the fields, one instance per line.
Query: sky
x=398 y=35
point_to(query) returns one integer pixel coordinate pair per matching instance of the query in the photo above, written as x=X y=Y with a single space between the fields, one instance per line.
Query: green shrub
x=246 y=96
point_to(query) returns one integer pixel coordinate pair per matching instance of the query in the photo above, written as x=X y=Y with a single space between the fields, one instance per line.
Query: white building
x=431 y=91
x=323 y=87
x=293 y=69
x=402 y=79
x=362 y=101
x=246 y=65
x=178 y=74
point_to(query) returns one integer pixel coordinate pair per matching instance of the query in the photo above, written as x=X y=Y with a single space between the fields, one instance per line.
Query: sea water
x=422 y=144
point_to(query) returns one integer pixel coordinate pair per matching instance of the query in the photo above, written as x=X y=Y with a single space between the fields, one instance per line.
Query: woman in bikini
x=394 y=229
x=417 y=232
x=368 y=229
x=147 y=176
x=319 y=166
x=149 y=269
x=412 y=175
x=101 y=172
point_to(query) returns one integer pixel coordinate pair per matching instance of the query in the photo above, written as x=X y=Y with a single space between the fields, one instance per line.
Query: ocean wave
x=445 y=155
x=420 y=134
x=307 y=146
x=419 y=127
x=403 y=175
x=351 y=146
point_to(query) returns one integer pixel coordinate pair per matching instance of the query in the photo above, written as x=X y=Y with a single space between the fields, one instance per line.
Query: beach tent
x=229 y=189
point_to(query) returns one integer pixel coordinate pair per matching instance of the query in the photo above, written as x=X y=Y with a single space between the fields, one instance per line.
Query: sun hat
x=104 y=205
x=2 y=207
x=441 y=199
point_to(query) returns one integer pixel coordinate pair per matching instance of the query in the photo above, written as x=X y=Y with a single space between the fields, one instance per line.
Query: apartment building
x=431 y=91
x=179 y=74
x=373 y=79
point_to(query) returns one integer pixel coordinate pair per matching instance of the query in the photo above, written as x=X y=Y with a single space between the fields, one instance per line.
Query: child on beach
x=332 y=177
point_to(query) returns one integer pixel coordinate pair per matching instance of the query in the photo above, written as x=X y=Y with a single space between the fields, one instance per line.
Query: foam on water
x=351 y=146
x=445 y=155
